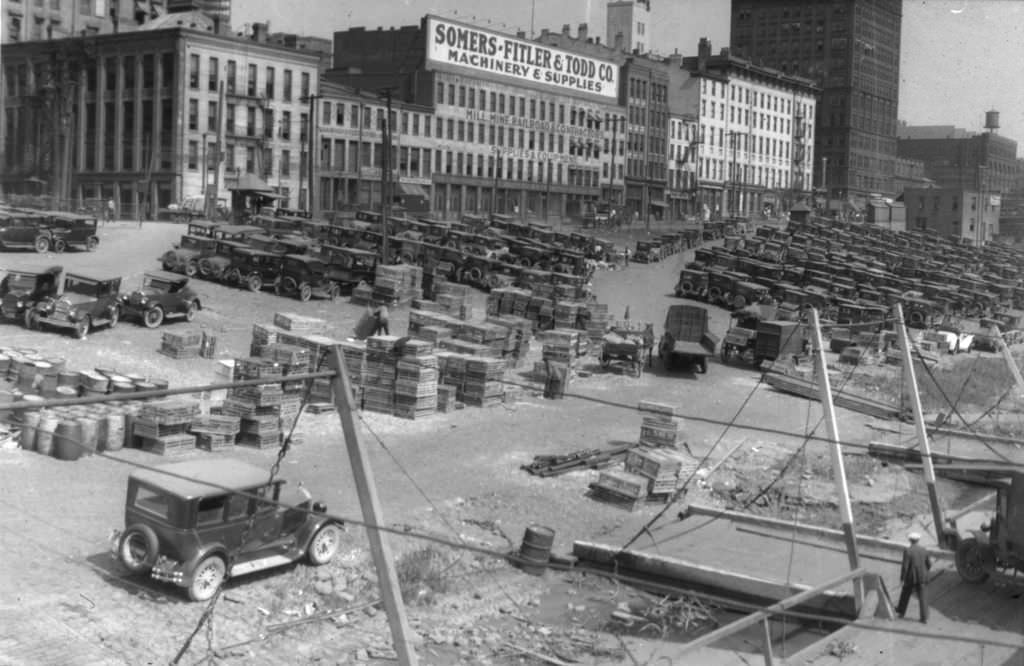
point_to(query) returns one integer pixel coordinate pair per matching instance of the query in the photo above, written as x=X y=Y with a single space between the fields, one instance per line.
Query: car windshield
x=81 y=286
x=153 y=502
x=157 y=284
x=189 y=243
x=21 y=281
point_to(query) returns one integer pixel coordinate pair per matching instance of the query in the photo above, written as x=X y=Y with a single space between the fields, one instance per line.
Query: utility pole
x=838 y=467
x=211 y=201
x=369 y=503
x=385 y=181
x=494 y=188
x=547 y=199
x=310 y=161
x=612 y=199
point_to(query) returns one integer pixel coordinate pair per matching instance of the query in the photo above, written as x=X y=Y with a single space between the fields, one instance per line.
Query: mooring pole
x=910 y=380
x=369 y=503
x=838 y=467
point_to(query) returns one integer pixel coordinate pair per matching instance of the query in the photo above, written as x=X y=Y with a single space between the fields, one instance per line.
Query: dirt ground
x=454 y=475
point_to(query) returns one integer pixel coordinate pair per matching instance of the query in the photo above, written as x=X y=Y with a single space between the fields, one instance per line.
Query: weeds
x=977 y=382
x=421 y=575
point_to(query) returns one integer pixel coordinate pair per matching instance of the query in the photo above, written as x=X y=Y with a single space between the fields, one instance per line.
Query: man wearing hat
x=914 y=576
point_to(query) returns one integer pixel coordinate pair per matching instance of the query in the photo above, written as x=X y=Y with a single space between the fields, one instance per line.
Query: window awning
x=659 y=203
x=412 y=189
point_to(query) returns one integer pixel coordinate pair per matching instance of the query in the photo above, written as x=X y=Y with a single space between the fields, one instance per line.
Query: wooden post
x=369 y=503
x=910 y=379
x=839 y=469
x=1010 y=362
x=769 y=658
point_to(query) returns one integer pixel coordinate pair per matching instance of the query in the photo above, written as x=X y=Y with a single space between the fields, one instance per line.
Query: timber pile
x=183 y=345
x=808 y=389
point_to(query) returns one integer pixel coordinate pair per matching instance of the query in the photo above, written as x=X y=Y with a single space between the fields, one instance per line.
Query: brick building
x=955 y=157
x=851 y=49
x=965 y=213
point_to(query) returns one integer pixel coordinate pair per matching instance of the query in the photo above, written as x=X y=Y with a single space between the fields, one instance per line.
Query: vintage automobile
x=214 y=266
x=303 y=276
x=162 y=296
x=73 y=230
x=86 y=302
x=692 y=283
x=24 y=229
x=253 y=269
x=349 y=266
x=197 y=523
x=21 y=290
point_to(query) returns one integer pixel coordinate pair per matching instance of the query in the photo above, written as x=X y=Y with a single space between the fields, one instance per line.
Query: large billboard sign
x=491 y=53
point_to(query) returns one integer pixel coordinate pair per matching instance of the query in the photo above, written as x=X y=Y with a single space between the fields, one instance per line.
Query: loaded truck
x=687 y=342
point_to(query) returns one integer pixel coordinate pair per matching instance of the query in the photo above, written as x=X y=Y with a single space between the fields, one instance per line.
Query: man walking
x=914 y=577
x=382 y=320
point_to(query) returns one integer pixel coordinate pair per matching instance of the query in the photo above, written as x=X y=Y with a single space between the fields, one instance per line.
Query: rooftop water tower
x=992 y=120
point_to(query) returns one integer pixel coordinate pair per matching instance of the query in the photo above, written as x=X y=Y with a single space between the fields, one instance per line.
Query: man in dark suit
x=914 y=576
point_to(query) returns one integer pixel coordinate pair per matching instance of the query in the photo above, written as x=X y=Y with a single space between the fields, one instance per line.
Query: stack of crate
x=379 y=374
x=263 y=335
x=454 y=299
x=482 y=385
x=181 y=345
x=435 y=334
x=419 y=319
x=489 y=335
x=598 y=322
x=296 y=323
x=257 y=407
x=665 y=471
x=398 y=284
x=318 y=346
x=566 y=314
x=467 y=348
x=451 y=367
x=659 y=431
x=560 y=346
x=353 y=352
x=215 y=432
x=517 y=343
x=620 y=488
x=162 y=426
x=416 y=380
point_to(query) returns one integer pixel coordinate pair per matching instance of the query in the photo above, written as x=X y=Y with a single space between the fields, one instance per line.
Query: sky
x=960 y=58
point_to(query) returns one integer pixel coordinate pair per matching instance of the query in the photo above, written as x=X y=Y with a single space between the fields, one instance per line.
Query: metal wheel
x=190 y=314
x=82 y=329
x=971 y=561
x=207 y=578
x=726 y=353
x=305 y=292
x=325 y=544
x=254 y=283
x=153 y=317
x=59 y=245
x=41 y=244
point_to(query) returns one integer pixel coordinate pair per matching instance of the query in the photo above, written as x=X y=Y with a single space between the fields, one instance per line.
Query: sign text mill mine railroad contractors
x=467 y=46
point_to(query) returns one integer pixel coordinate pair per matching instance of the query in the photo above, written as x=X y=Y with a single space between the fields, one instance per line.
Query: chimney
x=521 y=34
x=597 y=40
x=581 y=32
x=619 y=40
x=543 y=33
x=259 y=32
x=565 y=29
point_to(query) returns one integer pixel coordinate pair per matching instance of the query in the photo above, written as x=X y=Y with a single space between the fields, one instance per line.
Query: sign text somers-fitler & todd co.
x=485 y=51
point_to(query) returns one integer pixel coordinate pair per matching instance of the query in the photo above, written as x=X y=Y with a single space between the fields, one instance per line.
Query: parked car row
x=45 y=231
x=79 y=303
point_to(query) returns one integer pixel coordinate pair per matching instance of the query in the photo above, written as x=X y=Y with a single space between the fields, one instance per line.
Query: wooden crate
x=152 y=430
x=659 y=431
x=179 y=354
x=216 y=425
x=169 y=444
x=169 y=411
x=654 y=464
x=611 y=496
x=214 y=442
x=624 y=483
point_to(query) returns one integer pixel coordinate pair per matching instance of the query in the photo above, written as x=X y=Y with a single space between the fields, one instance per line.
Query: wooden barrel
x=121 y=387
x=535 y=550
x=115 y=430
x=69 y=378
x=48 y=421
x=94 y=381
x=66 y=392
x=106 y=372
x=26 y=375
x=100 y=417
x=67 y=439
x=90 y=433
x=46 y=378
x=29 y=425
x=59 y=363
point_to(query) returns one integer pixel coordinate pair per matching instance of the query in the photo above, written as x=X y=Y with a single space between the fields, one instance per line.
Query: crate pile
x=162 y=426
x=438 y=322
x=265 y=410
x=397 y=284
x=482 y=384
x=181 y=345
x=559 y=346
x=379 y=374
x=454 y=299
x=493 y=336
x=665 y=471
x=598 y=322
x=566 y=314
x=299 y=324
x=215 y=432
x=621 y=488
x=416 y=375
x=517 y=343
x=659 y=431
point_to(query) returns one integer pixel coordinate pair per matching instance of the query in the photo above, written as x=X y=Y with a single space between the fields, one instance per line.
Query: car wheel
x=207 y=578
x=59 y=245
x=305 y=292
x=31 y=320
x=233 y=276
x=115 y=316
x=82 y=329
x=191 y=269
x=138 y=549
x=324 y=544
x=972 y=561
x=42 y=244
x=190 y=314
x=92 y=243
x=333 y=292
x=153 y=317
x=255 y=283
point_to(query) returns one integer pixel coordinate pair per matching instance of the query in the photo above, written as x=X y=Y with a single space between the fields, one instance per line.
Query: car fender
x=217 y=548
x=311 y=527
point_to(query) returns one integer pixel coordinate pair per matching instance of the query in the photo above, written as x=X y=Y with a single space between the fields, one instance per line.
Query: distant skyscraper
x=631 y=19
x=851 y=48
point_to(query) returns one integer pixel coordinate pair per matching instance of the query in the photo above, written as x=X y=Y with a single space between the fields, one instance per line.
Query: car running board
x=260 y=564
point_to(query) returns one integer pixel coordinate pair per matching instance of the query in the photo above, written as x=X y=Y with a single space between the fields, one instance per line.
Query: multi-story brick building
x=755 y=132
x=954 y=157
x=516 y=126
x=683 y=130
x=966 y=213
x=851 y=49
x=37 y=20
x=137 y=116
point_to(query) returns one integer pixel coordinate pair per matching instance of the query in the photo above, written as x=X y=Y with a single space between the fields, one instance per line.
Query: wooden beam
x=369 y=502
x=758 y=616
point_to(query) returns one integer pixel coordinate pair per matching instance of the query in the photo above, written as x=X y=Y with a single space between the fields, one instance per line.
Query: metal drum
x=67 y=439
x=115 y=430
x=89 y=428
x=535 y=550
x=48 y=422
x=29 y=425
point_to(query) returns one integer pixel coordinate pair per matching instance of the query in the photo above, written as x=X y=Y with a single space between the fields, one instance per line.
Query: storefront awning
x=659 y=204
x=412 y=190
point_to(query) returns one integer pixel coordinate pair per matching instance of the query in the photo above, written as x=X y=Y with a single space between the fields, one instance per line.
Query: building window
x=451 y=94
x=230 y=119
x=462 y=95
x=250 y=121
x=494 y=99
x=211 y=116
x=286 y=86
x=415 y=124
x=304 y=86
x=501 y=103
x=268 y=123
x=451 y=129
x=193 y=70
x=472 y=98
x=522 y=107
x=339 y=114
x=250 y=159
x=251 y=82
x=128 y=72
x=440 y=93
x=286 y=127
x=326 y=117
x=212 y=75
x=303 y=127
x=193 y=114
x=270 y=83
x=462 y=130
x=231 y=76
x=193 y=155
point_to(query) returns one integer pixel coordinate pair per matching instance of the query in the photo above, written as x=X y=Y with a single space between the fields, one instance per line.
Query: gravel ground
x=455 y=475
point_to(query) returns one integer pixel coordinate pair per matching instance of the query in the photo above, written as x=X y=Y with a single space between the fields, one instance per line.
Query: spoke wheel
x=255 y=283
x=324 y=545
x=207 y=578
x=42 y=244
x=153 y=317
x=190 y=314
x=82 y=329
x=305 y=292
x=971 y=561
x=191 y=269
